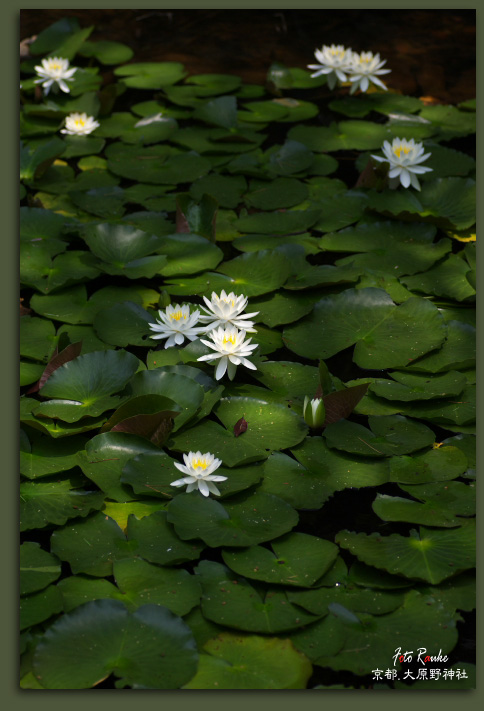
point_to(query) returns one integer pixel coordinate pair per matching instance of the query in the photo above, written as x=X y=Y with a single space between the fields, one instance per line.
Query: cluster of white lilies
x=222 y=318
x=341 y=64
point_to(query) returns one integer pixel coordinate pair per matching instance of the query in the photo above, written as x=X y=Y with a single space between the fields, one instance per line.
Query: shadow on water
x=430 y=52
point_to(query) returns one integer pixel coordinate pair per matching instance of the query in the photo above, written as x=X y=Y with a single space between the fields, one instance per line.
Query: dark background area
x=430 y=52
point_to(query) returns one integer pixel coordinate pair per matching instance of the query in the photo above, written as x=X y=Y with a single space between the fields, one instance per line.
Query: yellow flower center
x=178 y=315
x=230 y=339
x=199 y=463
x=398 y=150
x=80 y=122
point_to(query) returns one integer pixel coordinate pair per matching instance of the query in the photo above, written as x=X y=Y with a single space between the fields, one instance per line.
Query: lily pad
x=91 y=546
x=43 y=503
x=250 y=662
x=386 y=336
x=42 y=457
x=431 y=555
x=157 y=542
x=86 y=385
x=150 y=75
x=38 y=568
x=150 y=648
x=246 y=520
x=40 y=606
x=297 y=559
x=104 y=459
x=245 y=608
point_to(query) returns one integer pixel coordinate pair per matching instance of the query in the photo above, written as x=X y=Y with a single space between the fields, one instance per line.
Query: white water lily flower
x=404 y=158
x=80 y=125
x=176 y=324
x=199 y=467
x=231 y=347
x=227 y=309
x=334 y=61
x=364 y=69
x=54 y=70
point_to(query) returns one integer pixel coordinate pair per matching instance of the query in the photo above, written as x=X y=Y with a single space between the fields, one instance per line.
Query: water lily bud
x=314 y=412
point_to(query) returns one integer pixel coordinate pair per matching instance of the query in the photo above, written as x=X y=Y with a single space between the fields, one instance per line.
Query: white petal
x=248 y=364
x=405 y=178
x=231 y=369
x=414 y=181
x=419 y=169
x=221 y=368
x=179 y=338
x=203 y=487
x=213 y=489
x=395 y=172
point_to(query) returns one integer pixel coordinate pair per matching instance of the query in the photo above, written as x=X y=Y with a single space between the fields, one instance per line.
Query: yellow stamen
x=230 y=339
x=397 y=151
x=178 y=315
x=199 y=463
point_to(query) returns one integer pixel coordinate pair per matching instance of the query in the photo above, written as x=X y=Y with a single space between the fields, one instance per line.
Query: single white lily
x=54 y=70
x=404 y=158
x=335 y=61
x=225 y=310
x=364 y=69
x=199 y=467
x=231 y=347
x=176 y=324
x=80 y=125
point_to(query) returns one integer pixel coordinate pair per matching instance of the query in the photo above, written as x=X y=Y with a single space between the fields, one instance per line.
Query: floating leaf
x=43 y=503
x=150 y=648
x=297 y=559
x=37 y=568
x=250 y=662
x=431 y=555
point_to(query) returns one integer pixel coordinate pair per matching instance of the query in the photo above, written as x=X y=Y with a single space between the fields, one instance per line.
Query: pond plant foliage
x=212 y=502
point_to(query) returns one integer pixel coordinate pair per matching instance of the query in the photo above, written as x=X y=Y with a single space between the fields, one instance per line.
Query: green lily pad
x=107 y=52
x=339 y=471
x=29 y=372
x=39 y=606
x=388 y=247
x=448 y=279
x=371 y=644
x=37 y=338
x=384 y=103
x=150 y=648
x=73 y=306
x=157 y=542
x=34 y=162
x=124 y=250
x=85 y=385
x=43 y=503
x=91 y=546
x=431 y=555
x=247 y=520
x=448 y=202
x=250 y=662
x=439 y=464
x=155 y=164
x=397 y=508
x=225 y=189
x=410 y=387
x=271 y=426
x=454 y=495
x=105 y=201
x=245 y=608
x=297 y=559
x=456 y=353
x=281 y=192
x=104 y=459
x=188 y=254
x=289 y=480
x=186 y=392
x=340 y=210
x=151 y=474
x=37 y=568
x=38 y=270
x=279 y=221
x=43 y=457
x=150 y=75
x=386 y=336
x=391 y=435
x=124 y=324
x=143 y=583
x=322 y=601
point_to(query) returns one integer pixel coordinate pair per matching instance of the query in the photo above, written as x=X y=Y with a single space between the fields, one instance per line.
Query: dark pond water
x=430 y=52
